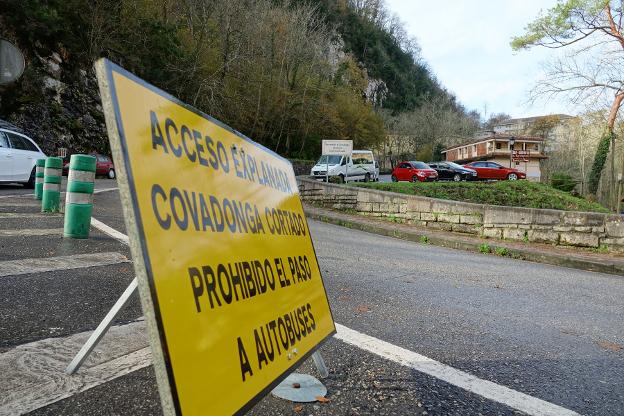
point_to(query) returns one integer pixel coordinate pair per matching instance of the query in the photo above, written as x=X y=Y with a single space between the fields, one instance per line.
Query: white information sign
x=337 y=147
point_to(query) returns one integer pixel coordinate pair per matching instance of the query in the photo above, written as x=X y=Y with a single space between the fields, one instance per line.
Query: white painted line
x=492 y=391
x=16 y=196
x=31 y=232
x=27 y=203
x=24 y=215
x=48 y=264
x=32 y=397
x=32 y=375
x=110 y=231
x=97 y=191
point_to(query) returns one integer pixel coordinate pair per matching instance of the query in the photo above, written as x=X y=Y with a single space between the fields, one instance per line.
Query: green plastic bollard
x=39 y=167
x=52 y=174
x=79 y=196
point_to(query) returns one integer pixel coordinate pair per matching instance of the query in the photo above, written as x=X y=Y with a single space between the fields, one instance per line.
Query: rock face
x=57 y=104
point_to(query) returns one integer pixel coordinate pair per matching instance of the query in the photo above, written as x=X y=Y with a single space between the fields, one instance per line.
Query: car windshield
x=454 y=165
x=329 y=160
x=420 y=165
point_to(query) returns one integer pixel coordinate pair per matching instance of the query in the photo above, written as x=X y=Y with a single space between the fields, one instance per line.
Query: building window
x=498 y=146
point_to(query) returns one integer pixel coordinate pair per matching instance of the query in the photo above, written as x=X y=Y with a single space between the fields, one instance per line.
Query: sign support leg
x=320 y=364
x=102 y=328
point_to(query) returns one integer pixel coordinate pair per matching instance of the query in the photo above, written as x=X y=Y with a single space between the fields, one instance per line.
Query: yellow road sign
x=228 y=277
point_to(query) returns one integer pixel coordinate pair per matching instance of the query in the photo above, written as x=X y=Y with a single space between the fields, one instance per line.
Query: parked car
x=493 y=170
x=18 y=154
x=414 y=172
x=103 y=166
x=359 y=166
x=451 y=171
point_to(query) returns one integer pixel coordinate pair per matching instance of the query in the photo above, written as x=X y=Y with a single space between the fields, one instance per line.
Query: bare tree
x=593 y=29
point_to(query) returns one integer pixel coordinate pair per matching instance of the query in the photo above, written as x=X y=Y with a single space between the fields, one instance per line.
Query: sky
x=466 y=44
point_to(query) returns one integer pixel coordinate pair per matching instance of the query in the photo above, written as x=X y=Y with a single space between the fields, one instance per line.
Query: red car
x=492 y=170
x=413 y=171
x=103 y=166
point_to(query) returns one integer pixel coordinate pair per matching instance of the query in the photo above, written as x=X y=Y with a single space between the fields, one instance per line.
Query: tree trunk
x=611 y=126
x=606 y=142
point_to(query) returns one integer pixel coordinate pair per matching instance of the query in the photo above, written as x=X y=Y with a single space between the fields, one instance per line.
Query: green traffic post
x=52 y=174
x=39 y=167
x=79 y=196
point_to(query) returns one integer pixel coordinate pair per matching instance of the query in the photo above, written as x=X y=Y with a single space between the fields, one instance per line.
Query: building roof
x=495 y=137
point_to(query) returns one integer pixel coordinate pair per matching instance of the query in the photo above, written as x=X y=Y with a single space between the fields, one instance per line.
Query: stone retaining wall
x=582 y=229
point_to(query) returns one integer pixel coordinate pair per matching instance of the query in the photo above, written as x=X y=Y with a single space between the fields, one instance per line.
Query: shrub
x=485 y=248
x=501 y=251
x=599 y=161
x=562 y=181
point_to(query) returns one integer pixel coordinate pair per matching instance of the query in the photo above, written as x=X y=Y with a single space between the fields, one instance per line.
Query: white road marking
x=16 y=195
x=110 y=231
x=97 y=191
x=48 y=264
x=492 y=391
x=27 y=203
x=25 y=215
x=32 y=375
x=31 y=232
x=35 y=374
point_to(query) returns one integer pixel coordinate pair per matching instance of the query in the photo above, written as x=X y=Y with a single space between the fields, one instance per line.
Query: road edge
x=576 y=262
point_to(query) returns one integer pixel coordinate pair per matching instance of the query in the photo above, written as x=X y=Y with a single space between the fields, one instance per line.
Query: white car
x=18 y=154
x=359 y=166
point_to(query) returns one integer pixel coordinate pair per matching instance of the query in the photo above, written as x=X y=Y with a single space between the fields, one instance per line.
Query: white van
x=18 y=154
x=359 y=166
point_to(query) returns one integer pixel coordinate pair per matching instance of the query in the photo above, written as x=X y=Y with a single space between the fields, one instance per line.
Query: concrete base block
x=579 y=239
x=445 y=226
x=514 y=233
x=428 y=216
x=543 y=236
x=492 y=232
x=452 y=218
x=471 y=219
x=466 y=228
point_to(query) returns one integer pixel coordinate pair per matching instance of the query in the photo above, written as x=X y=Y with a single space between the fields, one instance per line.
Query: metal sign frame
x=137 y=238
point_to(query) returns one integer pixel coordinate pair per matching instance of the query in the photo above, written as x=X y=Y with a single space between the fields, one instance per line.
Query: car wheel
x=414 y=178
x=367 y=177
x=31 y=180
x=512 y=177
x=457 y=177
x=341 y=179
x=111 y=174
x=394 y=178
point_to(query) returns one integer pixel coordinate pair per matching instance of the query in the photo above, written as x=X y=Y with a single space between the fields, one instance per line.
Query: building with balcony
x=554 y=128
x=524 y=154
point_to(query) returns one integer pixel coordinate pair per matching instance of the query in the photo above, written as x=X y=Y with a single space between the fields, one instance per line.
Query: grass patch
x=501 y=251
x=485 y=248
x=507 y=193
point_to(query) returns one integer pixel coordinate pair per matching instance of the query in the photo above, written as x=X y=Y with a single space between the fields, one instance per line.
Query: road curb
x=419 y=236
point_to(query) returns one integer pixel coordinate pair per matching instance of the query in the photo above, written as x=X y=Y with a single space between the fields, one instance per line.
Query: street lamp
x=512 y=141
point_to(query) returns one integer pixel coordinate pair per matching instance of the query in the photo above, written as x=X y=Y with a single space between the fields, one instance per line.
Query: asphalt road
x=553 y=333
